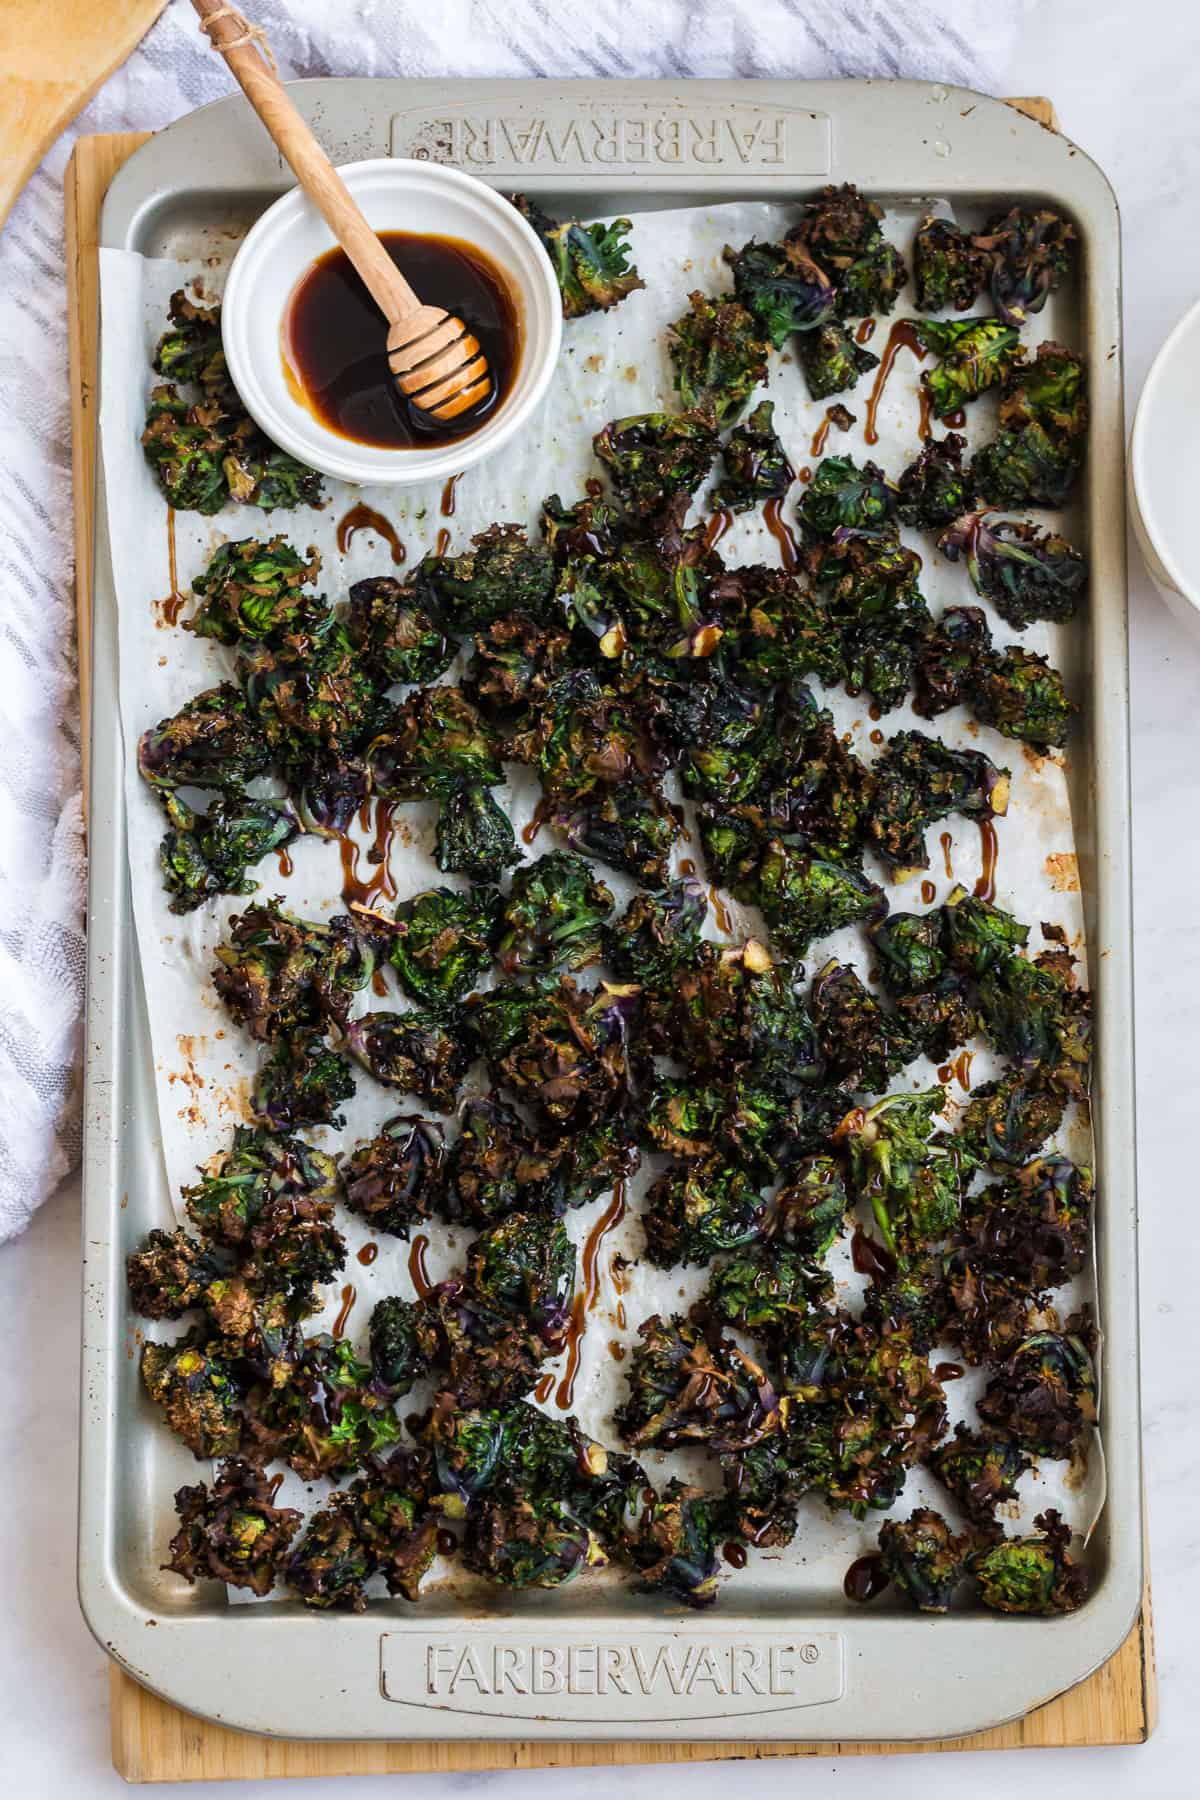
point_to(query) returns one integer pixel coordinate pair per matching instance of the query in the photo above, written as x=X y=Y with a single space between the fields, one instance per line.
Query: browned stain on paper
x=1062 y=871
x=189 y=1077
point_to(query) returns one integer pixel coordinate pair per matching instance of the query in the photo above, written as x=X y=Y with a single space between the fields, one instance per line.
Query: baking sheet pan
x=896 y=141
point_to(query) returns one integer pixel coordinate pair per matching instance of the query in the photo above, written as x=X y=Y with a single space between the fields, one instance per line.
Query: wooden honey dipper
x=435 y=358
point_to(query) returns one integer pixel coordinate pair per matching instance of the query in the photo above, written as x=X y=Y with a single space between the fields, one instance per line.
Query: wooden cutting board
x=155 y=1741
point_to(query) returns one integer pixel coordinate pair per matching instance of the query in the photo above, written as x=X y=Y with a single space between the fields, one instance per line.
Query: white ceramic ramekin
x=1164 y=455
x=396 y=194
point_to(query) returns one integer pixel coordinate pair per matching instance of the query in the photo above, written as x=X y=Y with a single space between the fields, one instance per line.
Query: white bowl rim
x=336 y=453
x=1187 y=590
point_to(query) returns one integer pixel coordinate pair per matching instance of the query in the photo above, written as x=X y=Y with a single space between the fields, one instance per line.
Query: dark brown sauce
x=367 y=1254
x=947 y=843
x=985 y=887
x=364 y=815
x=928 y=892
x=620 y=1315
x=379 y=884
x=686 y=866
x=365 y=518
x=781 y=531
x=870 y=1257
x=443 y=541
x=865 y=332
x=379 y=985
x=418 y=1274
x=335 y=340
x=902 y=336
x=873 y=711
x=541 y=813
x=865 y=1578
x=724 y=922
x=716 y=528
x=168 y=610
x=544 y=1388
x=447 y=1543
x=924 y=428
x=286 y=866
x=956 y=420
x=585 y=1299
x=805 y=475
x=448 y=495
x=948 y=1371
x=734 y=1555
x=616 y=1350
x=962 y=1069
x=275 y=1483
x=816 y=448
x=876 y=735
x=349 y=1296
x=945 y=1072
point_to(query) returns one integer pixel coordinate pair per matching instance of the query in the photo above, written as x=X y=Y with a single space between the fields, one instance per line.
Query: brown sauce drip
x=948 y=1371
x=379 y=884
x=275 y=1483
x=335 y=340
x=616 y=1350
x=724 y=922
x=585 y=1299
x=544 y=1388
x=367 y=1254
x=365 y=518
x=902 y=336
x=168 y=610
x=985 y=887
x=945 y=1072
x=716 y=528
x=620 y=1315
x=686 y=866
x=962 y=1069
x=865 y=1578
x=817 y=447
x=928 y=892
x=865 y=332
x=870 y=1257
x=447 y=1543
x=418 y=1274
x=734 y=1555
x=349 y=1296
x=379 y=985
x=448 y=495
x=781 y=531
x=364 y=815
x=873 y=711
x=876 y=735
x=286 y=865
x=443 y=541
x=924 y=428
x=541 y=813
x=956 y=420
x=947 y=843
x=805 y=475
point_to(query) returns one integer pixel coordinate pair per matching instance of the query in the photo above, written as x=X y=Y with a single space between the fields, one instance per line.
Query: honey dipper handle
x=312 y=168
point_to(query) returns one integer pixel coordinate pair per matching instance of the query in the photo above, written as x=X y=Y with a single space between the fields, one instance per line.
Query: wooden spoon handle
x=312 y=168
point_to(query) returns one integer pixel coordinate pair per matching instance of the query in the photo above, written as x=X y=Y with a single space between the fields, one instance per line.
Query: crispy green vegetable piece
x=190 y=349
x=553 y=916
x=910 y=1176
x=695 y=1210
x=756 y=464
x=398 y=639
x=842 y=230
x=302 y=1082
x=197 y=1387
x=948 y=268
x=924 y=1559
x=809 y=1211
x=233 y=1532
x=419 y=1051
x=1027 y=574
x=496 y=1166
x=395 y=1521
x=863 y=1045
x=652 y=456
x=212 y=742
x=433 y=746
x=330 y=1564
x=172 y=1273
x=397 y=1359
x=657 y=934
x=832 y=359
x=719 y=356
x=591 y=262
x=842 y=497
x=766 y=1290
x=919 y=780
x=209 y=853
x=804 y=895
x=1044 y=1396
x=1025 y=255
x=1032 y=1574
x=782 y=286
x=446 y=942
x=251 y=590
x=526 y=1265
x=935 y=489
x=1021 y=696
x=310 y=693
x=394 y=1180
x=474 y=835
x=1036 y=455
x=1005 y=1122
x=501 y=573
x=976 y=354
x=980 y=1469
x=687 y=1389
x=674 y=1547
x=277 y=974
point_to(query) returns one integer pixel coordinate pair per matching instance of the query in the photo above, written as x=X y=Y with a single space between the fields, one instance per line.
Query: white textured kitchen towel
x=41 y=841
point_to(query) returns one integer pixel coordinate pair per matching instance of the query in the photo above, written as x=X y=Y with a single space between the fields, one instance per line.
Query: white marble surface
x=1127 y=84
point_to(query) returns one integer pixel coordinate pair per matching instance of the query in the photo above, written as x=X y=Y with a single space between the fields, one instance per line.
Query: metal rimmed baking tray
x=774 y=1661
